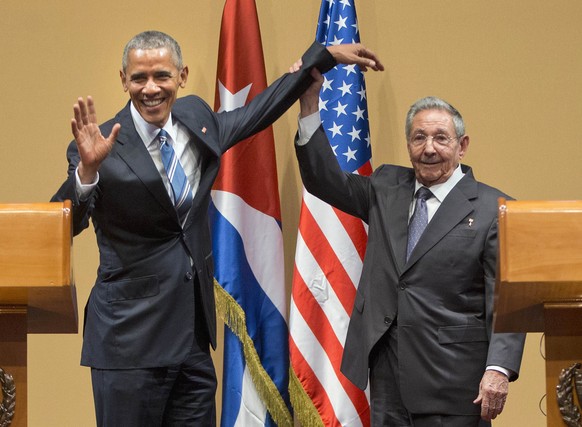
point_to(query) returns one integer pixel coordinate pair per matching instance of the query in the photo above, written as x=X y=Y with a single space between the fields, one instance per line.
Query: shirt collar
x=440 y=191
x=147 y=131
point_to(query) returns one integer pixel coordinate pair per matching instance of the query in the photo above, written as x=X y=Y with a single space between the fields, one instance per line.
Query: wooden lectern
x=37 y=294
x=539 y=282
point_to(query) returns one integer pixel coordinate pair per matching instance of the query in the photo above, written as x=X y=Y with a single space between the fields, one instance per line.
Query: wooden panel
x=540 y=260
x=561 y=353
x=36 y=266
x=542 y=241
x=35 y=244
x=539 y=283
x=13 y=357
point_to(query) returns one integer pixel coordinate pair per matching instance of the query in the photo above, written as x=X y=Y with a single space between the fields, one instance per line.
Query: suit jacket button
x=188 y=277
x=387 y=320
x=402 y=286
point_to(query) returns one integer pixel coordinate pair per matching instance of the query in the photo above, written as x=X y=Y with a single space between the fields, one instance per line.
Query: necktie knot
x=162 y=136
x=424 y=193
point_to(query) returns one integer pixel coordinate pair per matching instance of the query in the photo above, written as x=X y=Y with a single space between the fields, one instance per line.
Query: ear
x=464 y=146
x=123 y=80
x=183 y=77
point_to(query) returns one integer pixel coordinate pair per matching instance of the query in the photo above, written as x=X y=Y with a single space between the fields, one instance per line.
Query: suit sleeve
x=323 y=177
x=505 y=349
x=269 y=105
x=68 y=191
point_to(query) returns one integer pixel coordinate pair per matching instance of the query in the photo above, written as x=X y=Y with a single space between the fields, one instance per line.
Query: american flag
x=248 y=241
x=330 y=248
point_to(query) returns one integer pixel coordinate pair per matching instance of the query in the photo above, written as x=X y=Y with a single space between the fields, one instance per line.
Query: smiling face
x=434 y=163
x=152 y=80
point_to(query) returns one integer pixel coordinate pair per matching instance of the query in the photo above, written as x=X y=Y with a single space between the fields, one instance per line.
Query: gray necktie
x=419 y=219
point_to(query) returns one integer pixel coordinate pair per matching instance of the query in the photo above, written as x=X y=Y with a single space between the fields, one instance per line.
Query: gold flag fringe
x=303 y=407
x=232 y=314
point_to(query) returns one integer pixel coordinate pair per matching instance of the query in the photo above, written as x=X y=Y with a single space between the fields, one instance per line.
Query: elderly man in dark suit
x=421 y=326
x=145 y=185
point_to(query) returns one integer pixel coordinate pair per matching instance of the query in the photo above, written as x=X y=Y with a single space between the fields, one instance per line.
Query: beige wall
x=514 y=70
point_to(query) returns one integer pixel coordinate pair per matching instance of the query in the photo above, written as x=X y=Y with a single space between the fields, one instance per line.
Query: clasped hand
x=355 y=53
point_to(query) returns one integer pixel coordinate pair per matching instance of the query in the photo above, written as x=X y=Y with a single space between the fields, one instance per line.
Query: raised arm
x=356 y=53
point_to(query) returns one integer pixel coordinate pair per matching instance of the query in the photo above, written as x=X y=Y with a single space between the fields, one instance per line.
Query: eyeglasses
x=441 y=139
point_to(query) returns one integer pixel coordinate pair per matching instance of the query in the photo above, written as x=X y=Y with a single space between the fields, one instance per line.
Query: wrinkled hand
x=92 y=145
x=356 y=53
x=309 y=101
x=493 y=391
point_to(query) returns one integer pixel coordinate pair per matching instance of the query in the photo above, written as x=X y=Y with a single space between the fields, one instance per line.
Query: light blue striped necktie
x=419 y=219
x=181 y=188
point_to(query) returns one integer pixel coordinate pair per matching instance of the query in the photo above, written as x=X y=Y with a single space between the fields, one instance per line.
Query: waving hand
x=92 y=145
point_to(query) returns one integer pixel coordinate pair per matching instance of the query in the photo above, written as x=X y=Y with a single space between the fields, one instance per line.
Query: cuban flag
x=248 y=243
x=330 y=247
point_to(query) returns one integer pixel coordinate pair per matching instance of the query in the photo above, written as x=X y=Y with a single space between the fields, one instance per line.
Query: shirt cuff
x=499 y=369
x=84 y=190
x=306 y=127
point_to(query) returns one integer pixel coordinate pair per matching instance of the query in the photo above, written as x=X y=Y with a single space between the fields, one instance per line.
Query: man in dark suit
x=421 y=326
x=150 y=318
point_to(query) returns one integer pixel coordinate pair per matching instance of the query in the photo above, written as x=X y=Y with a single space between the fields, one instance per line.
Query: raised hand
x=92 y=145
x=309 y=101
x=356 y=53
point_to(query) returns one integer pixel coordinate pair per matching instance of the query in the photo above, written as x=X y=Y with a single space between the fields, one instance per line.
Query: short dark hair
x=153 y=40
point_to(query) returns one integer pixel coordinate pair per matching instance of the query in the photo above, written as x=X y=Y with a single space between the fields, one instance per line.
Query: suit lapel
x=452 y=211
x=204 y=139
x=200 y=130
x=397 y=205
x=134 y=153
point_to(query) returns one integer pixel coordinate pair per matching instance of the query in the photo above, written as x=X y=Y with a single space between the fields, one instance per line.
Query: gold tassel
x=232 y=314
x=305 y=411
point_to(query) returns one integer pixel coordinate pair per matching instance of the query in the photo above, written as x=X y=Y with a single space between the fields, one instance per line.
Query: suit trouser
x=172 y=396
x=449 y=421
x=386 y=406
x=182 y=395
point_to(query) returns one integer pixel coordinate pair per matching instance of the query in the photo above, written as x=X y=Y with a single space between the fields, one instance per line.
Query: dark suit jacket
x=141 y=310
x=442 y=297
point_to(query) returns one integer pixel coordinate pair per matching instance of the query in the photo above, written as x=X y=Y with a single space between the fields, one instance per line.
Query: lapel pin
x=470 y=222
x=204 y=129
